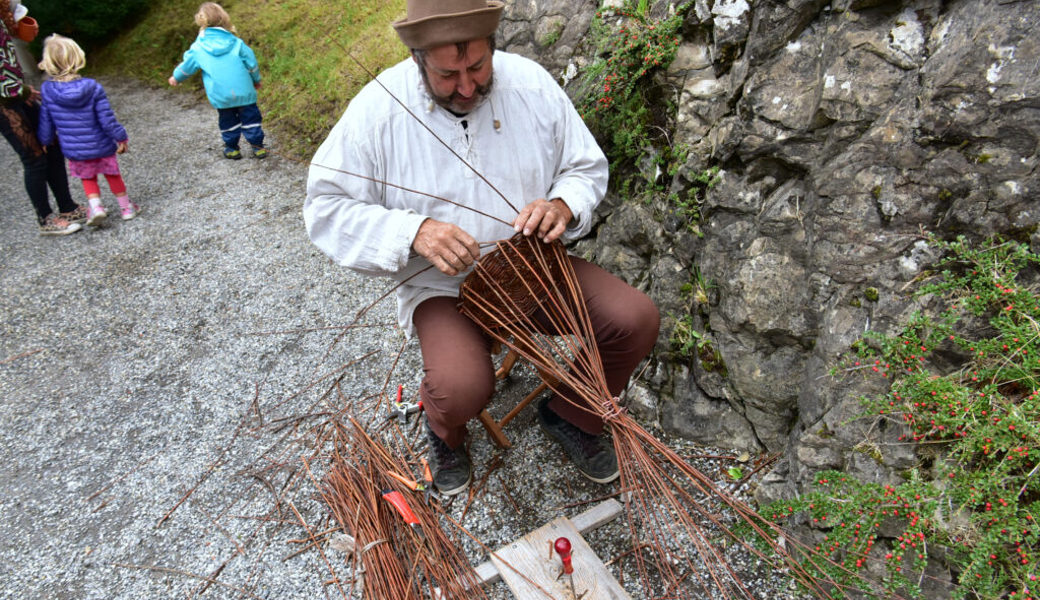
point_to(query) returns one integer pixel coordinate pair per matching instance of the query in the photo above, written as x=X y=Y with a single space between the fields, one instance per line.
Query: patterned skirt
x=89 y=169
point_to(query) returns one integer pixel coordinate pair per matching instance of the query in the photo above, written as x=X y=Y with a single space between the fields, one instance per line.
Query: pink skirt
x=89 y=169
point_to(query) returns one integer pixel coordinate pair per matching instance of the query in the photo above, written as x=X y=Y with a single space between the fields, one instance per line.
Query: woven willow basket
x=508 y=284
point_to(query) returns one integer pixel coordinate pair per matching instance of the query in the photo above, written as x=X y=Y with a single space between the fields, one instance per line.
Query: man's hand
x=446 y=246
x=547 y=219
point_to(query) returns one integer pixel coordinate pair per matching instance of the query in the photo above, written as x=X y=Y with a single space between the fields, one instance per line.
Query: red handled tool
x=563 y=548
x=425 y=486
x=401 y=410
x=401 y=505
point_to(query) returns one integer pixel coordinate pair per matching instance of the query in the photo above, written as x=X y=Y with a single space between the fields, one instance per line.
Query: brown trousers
x=460 y=377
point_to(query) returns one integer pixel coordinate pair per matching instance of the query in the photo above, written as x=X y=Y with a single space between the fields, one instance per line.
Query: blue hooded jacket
x=78 y=113
x=228 y=65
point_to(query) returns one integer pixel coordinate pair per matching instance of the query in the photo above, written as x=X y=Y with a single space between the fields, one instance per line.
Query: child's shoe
x=96 y=215
x=58 y=225
x=232 y=153
x=76 y=215
x=128 y=209
x=259 y=152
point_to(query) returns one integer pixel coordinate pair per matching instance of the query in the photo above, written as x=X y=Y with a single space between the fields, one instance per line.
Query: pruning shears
x=401 y=410
x=397 y=500
x=425 y=486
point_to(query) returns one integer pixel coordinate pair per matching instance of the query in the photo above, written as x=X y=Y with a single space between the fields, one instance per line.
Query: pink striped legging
x=459 y=376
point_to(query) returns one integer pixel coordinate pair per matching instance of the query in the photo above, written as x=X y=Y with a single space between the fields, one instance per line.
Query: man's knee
x=457 y=397
x=635 y=324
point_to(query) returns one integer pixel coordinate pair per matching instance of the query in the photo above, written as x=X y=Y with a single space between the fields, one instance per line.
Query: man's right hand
x=446 y=246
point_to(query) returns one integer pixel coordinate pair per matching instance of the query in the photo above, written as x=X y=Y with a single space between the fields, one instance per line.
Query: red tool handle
x=563 y=548
x=397 y=500
x=400 y=388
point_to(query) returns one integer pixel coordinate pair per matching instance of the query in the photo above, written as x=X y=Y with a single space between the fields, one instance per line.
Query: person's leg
x=230 y=125
x=626 y=324
x=127 y=209
x=116 y=184
x=20 y=132
x=251 y=128
x=459 y=375
x=58 y=180
x=96 y=212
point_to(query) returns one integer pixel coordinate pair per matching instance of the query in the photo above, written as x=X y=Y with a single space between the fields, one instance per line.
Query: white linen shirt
x=357 y=212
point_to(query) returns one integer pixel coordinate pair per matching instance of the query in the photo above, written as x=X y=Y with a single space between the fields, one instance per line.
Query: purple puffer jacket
x=79 y=114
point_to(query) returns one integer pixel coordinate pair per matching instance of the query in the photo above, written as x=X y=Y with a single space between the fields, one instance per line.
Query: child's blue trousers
x=240 y=121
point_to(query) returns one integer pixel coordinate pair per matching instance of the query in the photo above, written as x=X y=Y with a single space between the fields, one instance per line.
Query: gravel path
x=156 y=377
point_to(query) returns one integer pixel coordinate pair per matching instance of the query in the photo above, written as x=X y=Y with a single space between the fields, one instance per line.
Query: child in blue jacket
x=75 y=110
x=231 y=77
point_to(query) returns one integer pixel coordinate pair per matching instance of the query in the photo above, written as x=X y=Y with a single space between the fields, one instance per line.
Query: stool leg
x=494 y=429
x=507 y=365
x=523 y=404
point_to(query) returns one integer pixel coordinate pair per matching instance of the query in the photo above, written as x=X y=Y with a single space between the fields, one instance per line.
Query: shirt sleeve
x=345 y=211
x=107 y=118
x=45 y=128
x=582 y=169
x=249 y=60
x=188 y=67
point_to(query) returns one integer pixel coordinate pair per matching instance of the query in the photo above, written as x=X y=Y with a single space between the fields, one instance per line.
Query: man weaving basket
x=507 y=134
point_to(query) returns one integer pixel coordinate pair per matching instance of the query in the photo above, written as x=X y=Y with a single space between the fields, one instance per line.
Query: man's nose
x=467 y=85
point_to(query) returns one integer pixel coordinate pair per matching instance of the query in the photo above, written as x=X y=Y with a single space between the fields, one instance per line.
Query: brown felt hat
x=432 y=23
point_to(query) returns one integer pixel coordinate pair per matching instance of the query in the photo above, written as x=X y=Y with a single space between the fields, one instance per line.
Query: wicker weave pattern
x=515 y=279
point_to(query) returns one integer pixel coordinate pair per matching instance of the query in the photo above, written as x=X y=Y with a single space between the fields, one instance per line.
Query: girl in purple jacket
x=76 y=111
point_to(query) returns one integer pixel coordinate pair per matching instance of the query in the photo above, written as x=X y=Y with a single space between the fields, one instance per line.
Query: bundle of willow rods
x=668 y=508
x=392 y=559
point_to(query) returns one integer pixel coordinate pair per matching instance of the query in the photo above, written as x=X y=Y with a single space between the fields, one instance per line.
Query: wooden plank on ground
x=598 y=515
x=531 y=568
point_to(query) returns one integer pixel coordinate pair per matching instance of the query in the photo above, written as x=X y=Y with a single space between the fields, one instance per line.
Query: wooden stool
x=494 y=428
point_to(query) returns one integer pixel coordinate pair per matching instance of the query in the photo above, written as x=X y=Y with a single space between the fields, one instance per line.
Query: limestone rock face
x=843 y=129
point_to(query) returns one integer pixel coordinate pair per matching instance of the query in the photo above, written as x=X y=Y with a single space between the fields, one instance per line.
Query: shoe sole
x=588 y=476
x=72 y=228
x=97 y=219
x=127 y=217
x=456 y=490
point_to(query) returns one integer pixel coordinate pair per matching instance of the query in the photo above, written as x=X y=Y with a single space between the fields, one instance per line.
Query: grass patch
x=301 y=45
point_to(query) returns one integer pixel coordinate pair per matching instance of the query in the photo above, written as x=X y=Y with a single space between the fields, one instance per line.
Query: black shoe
x=450 y=468
x=592 y=454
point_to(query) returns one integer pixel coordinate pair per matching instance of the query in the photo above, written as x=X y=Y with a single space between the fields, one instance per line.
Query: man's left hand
x=547 y=219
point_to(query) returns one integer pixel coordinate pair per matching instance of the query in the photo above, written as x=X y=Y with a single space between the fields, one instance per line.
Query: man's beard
x=449 y=102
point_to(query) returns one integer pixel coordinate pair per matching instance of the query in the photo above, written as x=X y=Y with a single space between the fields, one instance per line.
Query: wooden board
x=530 y=567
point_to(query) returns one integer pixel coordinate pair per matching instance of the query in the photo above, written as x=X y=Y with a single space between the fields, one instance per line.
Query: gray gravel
x=145 y=367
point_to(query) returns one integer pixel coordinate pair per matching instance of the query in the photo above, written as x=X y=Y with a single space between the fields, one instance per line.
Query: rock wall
x=843 y=129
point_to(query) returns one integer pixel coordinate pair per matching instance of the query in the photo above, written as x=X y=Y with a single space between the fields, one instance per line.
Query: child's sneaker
x=76 y=215
x=259 y=152
x=129 y=211
x=96 y=215
x=232 y=153
x=57 y=225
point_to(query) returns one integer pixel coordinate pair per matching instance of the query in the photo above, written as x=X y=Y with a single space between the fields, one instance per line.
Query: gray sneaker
x=450 y=468
x=593 y=455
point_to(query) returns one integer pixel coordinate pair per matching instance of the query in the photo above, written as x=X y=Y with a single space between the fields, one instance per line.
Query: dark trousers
x=460 y=377
x=240 y=121
x=18 y=121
